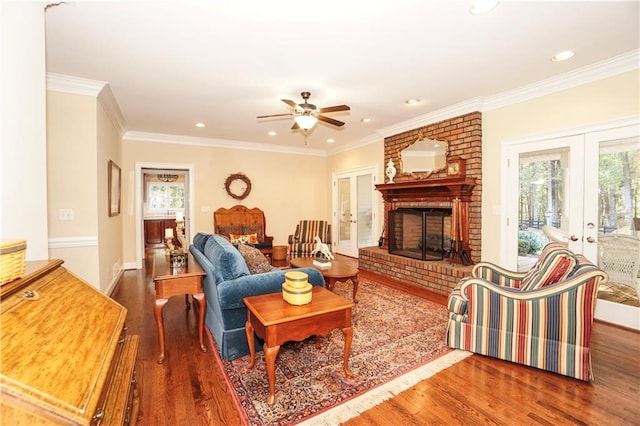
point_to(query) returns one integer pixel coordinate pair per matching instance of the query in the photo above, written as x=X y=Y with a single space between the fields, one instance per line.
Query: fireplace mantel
x=427 y=191
x=445 y=189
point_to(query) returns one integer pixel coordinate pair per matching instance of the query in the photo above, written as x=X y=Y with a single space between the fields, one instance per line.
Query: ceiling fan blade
x=330 y=120
x=290 y=103
x=275 y=115
x=295 y=126
x=334 y=109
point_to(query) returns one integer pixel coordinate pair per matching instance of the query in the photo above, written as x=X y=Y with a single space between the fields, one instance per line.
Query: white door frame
x=139 y=190
x=617 y=313
x=372 y=170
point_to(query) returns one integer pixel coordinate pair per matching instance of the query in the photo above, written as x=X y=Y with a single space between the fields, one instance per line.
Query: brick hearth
x=438 y=276
x=464 y=136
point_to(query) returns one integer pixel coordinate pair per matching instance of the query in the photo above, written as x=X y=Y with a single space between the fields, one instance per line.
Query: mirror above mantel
x=423 y=157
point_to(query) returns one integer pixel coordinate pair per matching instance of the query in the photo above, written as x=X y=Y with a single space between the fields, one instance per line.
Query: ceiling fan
x=306 y=115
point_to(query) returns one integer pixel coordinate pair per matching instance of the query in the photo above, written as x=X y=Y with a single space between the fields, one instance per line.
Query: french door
x=582 y=186
x=354 y=210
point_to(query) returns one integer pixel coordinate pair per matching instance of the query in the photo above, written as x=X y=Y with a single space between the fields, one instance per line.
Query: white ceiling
x=171 y=64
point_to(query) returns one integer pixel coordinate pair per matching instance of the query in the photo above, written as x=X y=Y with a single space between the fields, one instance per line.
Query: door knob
x=573 y=238
x=591 y=240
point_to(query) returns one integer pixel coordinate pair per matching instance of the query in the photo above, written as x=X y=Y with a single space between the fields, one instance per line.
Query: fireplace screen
x=421 y=234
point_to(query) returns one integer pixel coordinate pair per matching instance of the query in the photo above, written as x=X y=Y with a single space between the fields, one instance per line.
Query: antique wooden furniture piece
x=66 y=358
x=154 y=232
x=276 y=322
x=241 y=220
x=338 y=271
x=171 y=281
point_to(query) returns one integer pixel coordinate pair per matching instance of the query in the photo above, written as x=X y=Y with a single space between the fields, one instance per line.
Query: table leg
x=186 y=301
x=330 y=282
x=248 y=328
x=270 y=354
x=348 y=335
x=202 y=305
x=355 y=288
x=157 y=312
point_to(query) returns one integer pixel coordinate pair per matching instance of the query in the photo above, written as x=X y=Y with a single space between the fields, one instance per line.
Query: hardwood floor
x=190 y=389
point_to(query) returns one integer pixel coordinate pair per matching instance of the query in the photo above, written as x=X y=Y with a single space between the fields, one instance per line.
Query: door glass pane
x=365 y=210
x=344 y=209
x=618 y=219
x=543 y=211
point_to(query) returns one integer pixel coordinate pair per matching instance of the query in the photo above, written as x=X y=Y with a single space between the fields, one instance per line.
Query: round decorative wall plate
x=238 y=186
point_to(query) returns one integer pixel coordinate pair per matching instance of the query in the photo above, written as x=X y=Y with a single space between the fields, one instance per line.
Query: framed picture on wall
x=114 y=189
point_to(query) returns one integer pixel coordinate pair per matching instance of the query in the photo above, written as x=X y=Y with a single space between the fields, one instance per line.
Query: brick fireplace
x=438 y=191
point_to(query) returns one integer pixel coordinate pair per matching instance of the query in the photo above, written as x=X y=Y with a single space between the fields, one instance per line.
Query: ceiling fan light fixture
x=305 y=122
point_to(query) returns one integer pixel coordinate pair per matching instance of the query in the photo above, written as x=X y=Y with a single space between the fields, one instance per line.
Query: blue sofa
x=227 y=282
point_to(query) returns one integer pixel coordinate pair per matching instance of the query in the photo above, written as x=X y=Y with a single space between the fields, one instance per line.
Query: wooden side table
x=276 y=321
x=170 y=282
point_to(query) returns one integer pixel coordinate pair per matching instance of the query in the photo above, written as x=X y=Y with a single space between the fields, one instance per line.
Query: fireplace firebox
x=420 y=233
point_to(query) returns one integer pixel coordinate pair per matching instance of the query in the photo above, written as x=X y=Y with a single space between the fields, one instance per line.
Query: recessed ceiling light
x=272 y=133
x=412 y=101
x=563 y=56
x=480 y=7
x=366 y=120
x=200 y=125
x=330 y=141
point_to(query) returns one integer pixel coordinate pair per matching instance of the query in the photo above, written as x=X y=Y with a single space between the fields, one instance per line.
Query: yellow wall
x=109 y=147
x=592 y=103
x=288 y=187
x=72 y=181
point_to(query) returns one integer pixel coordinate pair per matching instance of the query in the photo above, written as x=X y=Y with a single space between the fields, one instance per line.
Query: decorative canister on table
x=12 y=260
x=296 y=288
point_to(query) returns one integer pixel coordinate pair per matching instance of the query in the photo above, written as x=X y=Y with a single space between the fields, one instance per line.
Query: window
x=165 y=196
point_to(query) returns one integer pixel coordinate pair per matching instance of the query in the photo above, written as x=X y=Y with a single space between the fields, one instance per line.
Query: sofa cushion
x=229 y=263
x=554 y=267
x=255 y=260
x=200 y=240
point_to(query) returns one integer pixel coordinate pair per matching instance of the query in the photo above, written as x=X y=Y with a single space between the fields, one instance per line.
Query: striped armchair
x=301 y=243
x=541 y=318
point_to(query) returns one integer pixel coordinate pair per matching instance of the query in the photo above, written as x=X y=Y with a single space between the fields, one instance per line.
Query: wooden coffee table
x=338 y=271
x=171 y=281
x=276 y=321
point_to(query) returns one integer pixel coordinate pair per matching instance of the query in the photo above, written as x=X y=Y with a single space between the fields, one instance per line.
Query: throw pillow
x=555 y=267
x=256 y=261
x=243 y=239
x=254 y=229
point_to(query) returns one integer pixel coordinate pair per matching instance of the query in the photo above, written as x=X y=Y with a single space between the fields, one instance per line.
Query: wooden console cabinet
x=154 y=232
x=66 y=358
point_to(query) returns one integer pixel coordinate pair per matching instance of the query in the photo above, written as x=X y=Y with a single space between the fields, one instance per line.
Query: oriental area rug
x=398 y=340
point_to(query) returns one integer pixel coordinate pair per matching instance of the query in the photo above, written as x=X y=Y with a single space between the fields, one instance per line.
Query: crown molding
x=108 y=101
x=445 y=113
x=608 y=68
x=94 y=88
x=369 y=140
x=74 y=85
x=219 y=143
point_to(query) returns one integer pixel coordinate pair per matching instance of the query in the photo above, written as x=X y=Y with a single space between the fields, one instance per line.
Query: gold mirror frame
x=427 y=151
